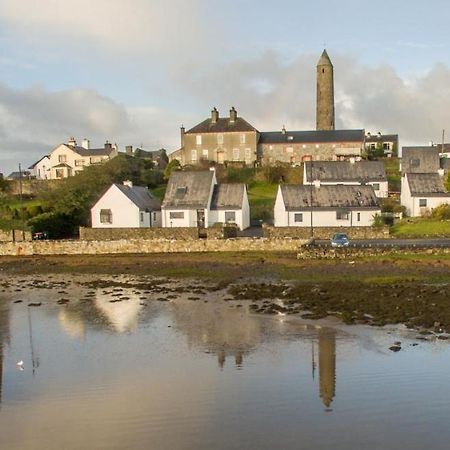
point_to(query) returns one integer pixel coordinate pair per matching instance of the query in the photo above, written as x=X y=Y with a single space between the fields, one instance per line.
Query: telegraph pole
x=21 y=203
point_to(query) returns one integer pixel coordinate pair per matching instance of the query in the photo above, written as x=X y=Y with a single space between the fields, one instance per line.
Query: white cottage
x=422 y=192
x=325 y=206
x=126 y=206
x=349 y=173
x=195 y=199
x=41 y=169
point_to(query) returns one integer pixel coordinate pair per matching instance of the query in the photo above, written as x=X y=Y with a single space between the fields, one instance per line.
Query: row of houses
x=333 y=194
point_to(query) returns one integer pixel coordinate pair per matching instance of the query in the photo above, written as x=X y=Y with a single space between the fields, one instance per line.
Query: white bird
x=19 y=364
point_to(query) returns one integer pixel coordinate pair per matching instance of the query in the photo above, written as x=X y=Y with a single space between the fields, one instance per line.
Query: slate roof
x=298 y=197
x=228 y=196
x=61 y=165
x=140 y=196
x=335 y=171
x=223 y=125
x=17 y=175
x=188 y=190
x=426 y=184
x=37 y=162
x=92 y=151
x=382 y=138
x=420 y=159
x=445 y=164
x=319 y=136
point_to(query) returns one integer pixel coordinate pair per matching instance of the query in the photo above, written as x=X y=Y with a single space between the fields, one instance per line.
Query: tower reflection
x=327 y=366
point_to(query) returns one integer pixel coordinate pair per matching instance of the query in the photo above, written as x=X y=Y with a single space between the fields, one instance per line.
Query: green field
x=261 y=197
x=421 y=228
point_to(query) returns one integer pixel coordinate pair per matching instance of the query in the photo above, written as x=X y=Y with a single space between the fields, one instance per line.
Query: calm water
x=184 y=374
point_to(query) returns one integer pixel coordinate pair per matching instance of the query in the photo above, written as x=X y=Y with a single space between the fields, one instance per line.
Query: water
x=184 y=374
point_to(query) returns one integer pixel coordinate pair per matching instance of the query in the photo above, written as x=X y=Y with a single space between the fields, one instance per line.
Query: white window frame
x=193 y=154
x=421 y=201
x=62 y=158
x=242 y=138
x=205 y=153
x=198 y=139
x=229 y=219
x=298 y=217
x=176 y=215
x=235 y=154
x=220 y=139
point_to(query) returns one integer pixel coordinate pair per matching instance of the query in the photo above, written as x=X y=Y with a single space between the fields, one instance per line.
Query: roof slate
x=228 y=196
x=196 y=186
x=298 y=197
x=420 y=159
x=319 y=136
x=223 y=125
x=92 y=151
x=429 y=184
x=360 y=171
x=140 y=196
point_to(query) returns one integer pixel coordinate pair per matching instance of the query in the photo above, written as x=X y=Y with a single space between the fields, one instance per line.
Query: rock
x=395 y=348
x=17 y=301
x=35 y=304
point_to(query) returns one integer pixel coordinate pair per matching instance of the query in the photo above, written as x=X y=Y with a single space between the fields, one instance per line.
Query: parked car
x=340 y=240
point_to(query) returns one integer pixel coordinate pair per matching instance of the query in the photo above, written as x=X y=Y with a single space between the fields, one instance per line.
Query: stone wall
x=325 y=232
x=83 y=247
x=31 y=186
x=113 y=234
x=317 y=252
x=14 y=236
x=226 y=232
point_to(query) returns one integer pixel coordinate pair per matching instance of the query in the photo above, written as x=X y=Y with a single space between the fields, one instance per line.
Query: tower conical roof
x=324 y=60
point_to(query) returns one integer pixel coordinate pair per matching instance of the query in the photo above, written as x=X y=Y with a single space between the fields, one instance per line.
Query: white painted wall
x=125 y=214
x=189 y=219
x=41 y=169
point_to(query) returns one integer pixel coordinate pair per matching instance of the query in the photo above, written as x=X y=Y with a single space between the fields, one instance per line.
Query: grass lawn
x=421 y=228
x=261 y=197
x=14 y=203
x=392 y=168
x=159 y=191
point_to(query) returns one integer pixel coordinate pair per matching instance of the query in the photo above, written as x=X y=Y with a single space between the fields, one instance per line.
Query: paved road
x=418 y=243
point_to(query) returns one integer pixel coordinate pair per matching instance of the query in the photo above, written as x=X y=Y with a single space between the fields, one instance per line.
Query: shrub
x=57 y=225
x=442 y=212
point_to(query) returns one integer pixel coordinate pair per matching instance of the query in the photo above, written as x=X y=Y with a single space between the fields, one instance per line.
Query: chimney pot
x=233 y=114
x=129 y=149
x=214 y=115
x=128 y=183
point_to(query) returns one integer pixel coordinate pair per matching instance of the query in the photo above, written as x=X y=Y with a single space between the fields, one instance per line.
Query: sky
x=133 y=71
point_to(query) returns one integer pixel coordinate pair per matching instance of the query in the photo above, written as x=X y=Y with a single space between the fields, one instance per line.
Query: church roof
x=324 y=60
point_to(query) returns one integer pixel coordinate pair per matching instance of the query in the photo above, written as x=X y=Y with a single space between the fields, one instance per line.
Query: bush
x=442 y=212
x=34 y=210
x=57 y=225
x=378 y=221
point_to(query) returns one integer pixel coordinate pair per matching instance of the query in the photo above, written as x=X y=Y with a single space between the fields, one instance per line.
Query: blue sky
x=133 y=71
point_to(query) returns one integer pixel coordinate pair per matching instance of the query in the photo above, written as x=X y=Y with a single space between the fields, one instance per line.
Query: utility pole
x=443 y=141
x=21 y=203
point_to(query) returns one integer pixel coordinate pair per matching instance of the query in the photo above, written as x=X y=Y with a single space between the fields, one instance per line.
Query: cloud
x=130 y=26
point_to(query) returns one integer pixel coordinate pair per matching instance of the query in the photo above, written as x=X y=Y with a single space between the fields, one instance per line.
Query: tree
x=173 y=165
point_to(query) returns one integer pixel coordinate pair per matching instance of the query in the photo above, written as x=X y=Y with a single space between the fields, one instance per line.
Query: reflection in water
x=4 y=337
x=327 y=365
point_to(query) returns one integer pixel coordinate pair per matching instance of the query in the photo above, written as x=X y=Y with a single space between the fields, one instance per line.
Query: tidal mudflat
x=105 y=361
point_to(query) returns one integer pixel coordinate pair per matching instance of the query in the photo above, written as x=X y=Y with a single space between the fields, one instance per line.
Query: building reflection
x=4 y=338
x=327 y=366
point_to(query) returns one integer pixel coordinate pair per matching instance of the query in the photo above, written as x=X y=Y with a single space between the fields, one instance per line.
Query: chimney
x=108 y=145
x=214 y=115
x=129 y=150
x=283 y=130
x=379 y=134
x=72 y=142
x=233 y=115
x=182 y=131
x=115 y=146
x=128 y=183
x=86 y=144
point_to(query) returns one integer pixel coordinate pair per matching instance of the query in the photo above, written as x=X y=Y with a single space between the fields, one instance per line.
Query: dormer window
x=181 y=191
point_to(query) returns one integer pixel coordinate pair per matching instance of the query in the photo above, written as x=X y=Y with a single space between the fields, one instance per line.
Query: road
x=413 y=243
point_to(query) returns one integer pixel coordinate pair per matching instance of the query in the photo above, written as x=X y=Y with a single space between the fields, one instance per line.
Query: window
x=235 y=154
x=358 y=217
x=342 y=215
x=230 y=216
x=105 y=216
x=59 y=173
x=373 y=146
x=376 y=186
x=142 y=215
x=220 y=139
x=154 y=217
x=414 y=162
x=298 y=217
x=386 y=146
x=248 y=154
x=422 y=202
x=194 y=155
x=176 y=215
x=242 y=138
x=62 y=158
x=198 y=140
x=205 y=153
x=79 y=162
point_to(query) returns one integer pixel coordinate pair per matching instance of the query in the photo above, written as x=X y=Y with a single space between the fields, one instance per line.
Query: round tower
x=325 y=93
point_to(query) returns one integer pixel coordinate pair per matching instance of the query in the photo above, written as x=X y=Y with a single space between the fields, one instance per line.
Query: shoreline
x=371 y=291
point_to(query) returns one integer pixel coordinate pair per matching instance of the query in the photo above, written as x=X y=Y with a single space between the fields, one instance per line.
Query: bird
x=19 y=364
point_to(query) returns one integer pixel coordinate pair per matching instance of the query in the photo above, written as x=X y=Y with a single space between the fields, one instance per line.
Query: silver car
x=340 y=240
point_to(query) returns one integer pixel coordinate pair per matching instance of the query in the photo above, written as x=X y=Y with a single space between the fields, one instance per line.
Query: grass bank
x=421 y=228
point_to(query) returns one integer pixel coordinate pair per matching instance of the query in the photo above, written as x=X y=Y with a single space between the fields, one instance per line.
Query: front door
x=201 y=218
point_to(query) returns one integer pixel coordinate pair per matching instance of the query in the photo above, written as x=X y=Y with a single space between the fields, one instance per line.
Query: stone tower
x=325 y=94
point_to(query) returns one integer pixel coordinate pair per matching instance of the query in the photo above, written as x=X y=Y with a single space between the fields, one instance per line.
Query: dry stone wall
x=14 y=236
x=109 y=234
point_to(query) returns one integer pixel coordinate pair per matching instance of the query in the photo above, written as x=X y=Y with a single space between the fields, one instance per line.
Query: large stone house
x=126 y=206
x=325 y=206
x=195 y=199
x=69 y=159
x=387 y=144
x=219 y=139
x=294 y=147
x=356 y=173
